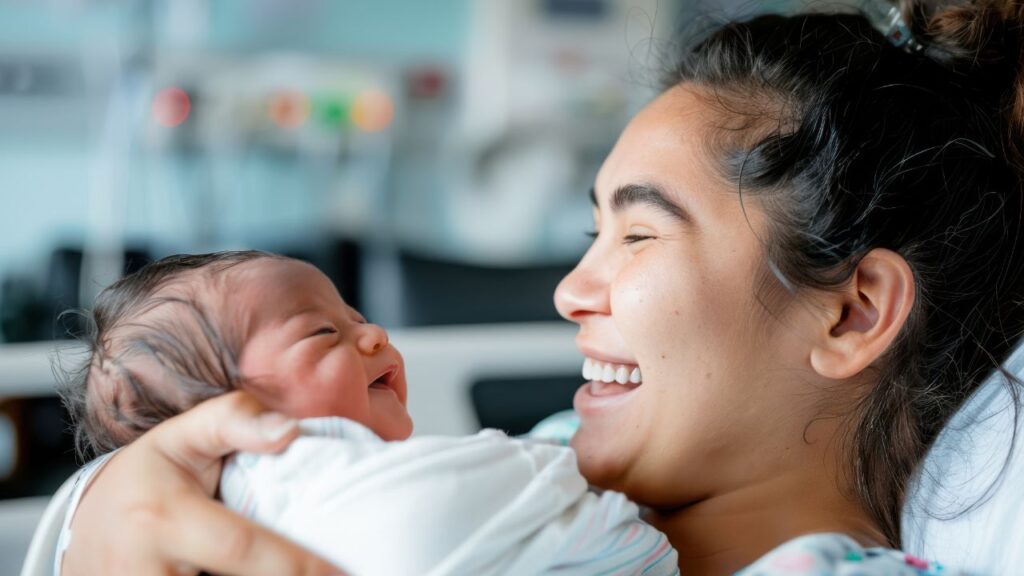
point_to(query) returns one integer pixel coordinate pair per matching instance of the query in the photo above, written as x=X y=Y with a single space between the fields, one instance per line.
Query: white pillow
x=964 y=472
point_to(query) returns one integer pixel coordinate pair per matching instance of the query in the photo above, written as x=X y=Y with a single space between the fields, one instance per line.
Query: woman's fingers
x=150 y=510
x=201 y=532
x=197 y=439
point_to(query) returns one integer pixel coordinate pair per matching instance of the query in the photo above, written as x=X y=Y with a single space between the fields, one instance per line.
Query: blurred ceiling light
x=171 y=107
x=372 y=111
x=288 y=109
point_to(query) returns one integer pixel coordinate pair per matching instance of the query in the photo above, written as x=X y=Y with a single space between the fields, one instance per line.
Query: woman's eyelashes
x=627 y=239
x=634 y=238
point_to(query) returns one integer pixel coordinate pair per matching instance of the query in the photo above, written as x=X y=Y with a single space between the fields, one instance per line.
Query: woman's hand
x=150 y=510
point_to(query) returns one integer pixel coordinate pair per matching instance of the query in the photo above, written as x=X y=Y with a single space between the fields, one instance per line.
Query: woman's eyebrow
x=646 y=194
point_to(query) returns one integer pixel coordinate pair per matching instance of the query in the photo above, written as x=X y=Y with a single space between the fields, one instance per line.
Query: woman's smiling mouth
x=609 y=379
x=610 y=372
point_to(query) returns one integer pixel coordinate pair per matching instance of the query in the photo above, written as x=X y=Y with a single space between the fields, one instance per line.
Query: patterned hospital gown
x=839 y=555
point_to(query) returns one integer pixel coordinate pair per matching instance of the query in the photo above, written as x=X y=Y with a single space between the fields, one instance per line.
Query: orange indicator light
x=372 y=111
x=288 y=109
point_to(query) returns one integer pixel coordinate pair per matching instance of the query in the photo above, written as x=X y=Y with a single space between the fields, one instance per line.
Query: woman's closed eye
x=634 y=238
x=627 y=239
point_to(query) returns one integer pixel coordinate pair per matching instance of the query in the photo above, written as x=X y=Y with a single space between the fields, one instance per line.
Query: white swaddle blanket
x=483 y=504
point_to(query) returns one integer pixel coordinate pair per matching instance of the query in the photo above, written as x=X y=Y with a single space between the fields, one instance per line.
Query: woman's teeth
x=608 y=373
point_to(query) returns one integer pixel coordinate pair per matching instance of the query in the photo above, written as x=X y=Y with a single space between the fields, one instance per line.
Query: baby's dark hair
x=116 y=395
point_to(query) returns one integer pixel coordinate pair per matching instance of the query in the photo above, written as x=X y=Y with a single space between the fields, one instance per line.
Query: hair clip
x=891 y=24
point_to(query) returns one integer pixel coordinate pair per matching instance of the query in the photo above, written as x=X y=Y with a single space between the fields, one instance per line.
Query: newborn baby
x=352 y=488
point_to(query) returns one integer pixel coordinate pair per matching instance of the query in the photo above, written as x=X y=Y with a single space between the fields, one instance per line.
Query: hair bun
x=982 y=39
x=986 y=31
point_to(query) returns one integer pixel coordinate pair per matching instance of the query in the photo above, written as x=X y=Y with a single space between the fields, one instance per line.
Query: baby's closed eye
x=324 y=330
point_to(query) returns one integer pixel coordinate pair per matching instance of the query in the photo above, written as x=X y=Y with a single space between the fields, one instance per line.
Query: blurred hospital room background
x=432 y=157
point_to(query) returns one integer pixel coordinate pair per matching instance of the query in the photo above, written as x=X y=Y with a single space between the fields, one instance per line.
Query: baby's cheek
x=270 y=396
x=291 y=387
x=319 y=401
x=338 y=387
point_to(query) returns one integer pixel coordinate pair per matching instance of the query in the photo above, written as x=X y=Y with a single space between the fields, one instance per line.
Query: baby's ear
x=864 y=318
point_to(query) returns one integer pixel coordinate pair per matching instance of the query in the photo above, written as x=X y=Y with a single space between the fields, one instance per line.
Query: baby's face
x=307 y=353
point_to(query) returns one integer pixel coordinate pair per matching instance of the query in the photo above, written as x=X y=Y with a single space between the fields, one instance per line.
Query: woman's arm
x=151 y=509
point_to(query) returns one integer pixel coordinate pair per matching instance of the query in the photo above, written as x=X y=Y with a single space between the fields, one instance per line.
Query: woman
x=810 y=246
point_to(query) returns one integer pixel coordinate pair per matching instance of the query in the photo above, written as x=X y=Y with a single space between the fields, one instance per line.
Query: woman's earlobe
x=870 y=313
x=840 y=357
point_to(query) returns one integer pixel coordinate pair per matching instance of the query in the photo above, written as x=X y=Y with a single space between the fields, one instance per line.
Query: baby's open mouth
x=383 y=382
x=607 y=378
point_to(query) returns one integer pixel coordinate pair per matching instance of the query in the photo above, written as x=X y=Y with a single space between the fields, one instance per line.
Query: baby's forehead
x=224 y=291
x=207 y=282
x=277 y=281
x=273 y=291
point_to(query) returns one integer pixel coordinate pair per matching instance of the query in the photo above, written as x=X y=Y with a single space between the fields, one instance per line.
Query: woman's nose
x=371 y=338
x=581 y=293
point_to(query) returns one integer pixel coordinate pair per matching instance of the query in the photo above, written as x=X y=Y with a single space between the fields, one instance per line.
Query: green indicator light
x=332 y=111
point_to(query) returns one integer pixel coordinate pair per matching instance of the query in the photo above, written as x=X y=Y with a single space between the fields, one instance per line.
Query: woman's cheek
x=648 y=305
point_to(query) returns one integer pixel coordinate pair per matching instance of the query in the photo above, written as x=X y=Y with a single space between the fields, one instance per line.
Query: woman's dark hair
x=127 y=347
x=850 y=143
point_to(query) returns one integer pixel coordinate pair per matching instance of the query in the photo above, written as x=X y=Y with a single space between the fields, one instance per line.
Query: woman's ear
x=865 y=317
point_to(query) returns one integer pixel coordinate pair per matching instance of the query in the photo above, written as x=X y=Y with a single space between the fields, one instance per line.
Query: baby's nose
x=371 y=339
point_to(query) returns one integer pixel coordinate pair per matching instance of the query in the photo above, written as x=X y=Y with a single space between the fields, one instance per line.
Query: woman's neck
x=727 y=532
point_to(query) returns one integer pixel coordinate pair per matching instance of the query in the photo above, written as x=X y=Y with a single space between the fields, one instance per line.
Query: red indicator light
x=171 y=107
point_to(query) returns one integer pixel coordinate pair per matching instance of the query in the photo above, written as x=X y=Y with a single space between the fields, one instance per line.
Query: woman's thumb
x=217 y=427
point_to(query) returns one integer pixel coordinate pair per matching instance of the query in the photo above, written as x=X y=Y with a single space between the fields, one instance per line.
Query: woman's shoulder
x=839 y=555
